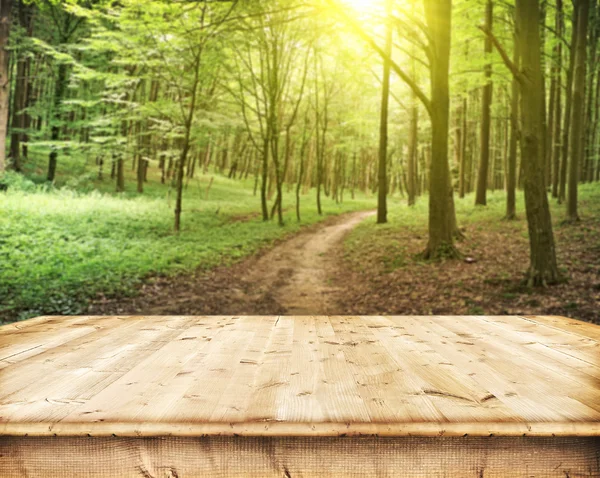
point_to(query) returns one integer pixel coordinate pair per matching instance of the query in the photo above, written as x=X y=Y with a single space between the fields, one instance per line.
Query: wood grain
x=262 y=457
x=300 y=376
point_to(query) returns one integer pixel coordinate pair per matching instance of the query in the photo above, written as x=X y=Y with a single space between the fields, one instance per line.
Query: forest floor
x=61 y=247
x=293 y=277
x=348 y=265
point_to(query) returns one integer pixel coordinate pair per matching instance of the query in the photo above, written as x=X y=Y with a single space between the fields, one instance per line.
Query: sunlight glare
x=361 y=6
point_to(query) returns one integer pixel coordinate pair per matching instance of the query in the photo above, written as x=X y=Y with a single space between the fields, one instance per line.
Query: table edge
x=300 y=429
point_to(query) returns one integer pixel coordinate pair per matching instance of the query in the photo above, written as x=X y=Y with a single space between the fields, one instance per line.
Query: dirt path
x=291 y=278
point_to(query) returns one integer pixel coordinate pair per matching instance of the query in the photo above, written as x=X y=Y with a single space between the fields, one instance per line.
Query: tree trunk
x=5 y=10
x=486 y=103
x=511 y=178
x=594 y=146
x=383 y=127
x=576 y=136
x=20 y=92
x=543 y=268
x=463 y=150
x=587 y=173
x=568 y=107
x=120 y=173
x=265 y=177
x=412 y=152
x=557 y=104
x=441 y=221
x=59 y=91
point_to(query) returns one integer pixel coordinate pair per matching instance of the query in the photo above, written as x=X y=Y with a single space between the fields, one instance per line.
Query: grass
x=60 y=247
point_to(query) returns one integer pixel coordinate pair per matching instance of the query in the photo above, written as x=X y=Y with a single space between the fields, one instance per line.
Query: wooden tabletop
x=300 y=376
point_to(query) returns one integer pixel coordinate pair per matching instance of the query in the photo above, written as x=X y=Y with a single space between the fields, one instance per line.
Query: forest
x=299 y=156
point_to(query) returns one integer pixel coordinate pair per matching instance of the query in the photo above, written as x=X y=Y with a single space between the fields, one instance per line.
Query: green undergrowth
x=59 y=247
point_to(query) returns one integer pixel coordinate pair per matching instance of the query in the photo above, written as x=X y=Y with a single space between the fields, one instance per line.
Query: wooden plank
x=301 y=376
x=456 y=396
x=505 y=373
x=390 y=391
x=565 y=324
x=28 y=341
x=296 y=456
x=135 y=391
x=582 y=348
x=194 y=394
x=54 y=389
x=550 y=394
x=338 y=393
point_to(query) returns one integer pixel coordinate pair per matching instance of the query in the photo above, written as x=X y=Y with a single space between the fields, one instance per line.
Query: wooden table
x=300 y=396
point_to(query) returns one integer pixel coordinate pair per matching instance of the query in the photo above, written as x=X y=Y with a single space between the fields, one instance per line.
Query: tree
x=21 y=89
x=579 y=76
x=555 y=145
x=271 y=73
x=383 y=128
x=511 y=179
x=543 y=269
x=5 y=15
x=442 y=220
x=437 y=30
x=564 y=162
x=486 y=104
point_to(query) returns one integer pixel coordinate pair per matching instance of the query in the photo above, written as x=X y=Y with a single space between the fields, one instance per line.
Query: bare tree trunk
x=59 y=91
x=21 y=90
x=5 y=10
x=486 y=103
x=189 y=121
x=383 y=127
x=412 y=152
x=562 y=187
x=543 y=268
x=462 y=148
x=265 y=177
x=120 y=173
x=442 y=224
x=557 y=104
x=577 y=137
x=511 y=183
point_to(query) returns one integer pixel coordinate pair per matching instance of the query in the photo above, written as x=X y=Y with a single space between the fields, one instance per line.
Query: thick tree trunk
x=543 y=268
x=441 y=214
x=5 y=10
x=486 y=103
x=577 y=136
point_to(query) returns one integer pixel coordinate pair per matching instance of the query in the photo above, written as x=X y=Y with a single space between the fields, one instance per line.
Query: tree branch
x=397 y=69
x=507 y=61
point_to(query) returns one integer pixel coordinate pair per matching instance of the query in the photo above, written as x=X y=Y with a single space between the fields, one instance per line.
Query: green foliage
x=60 y=248
x=17 y=182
